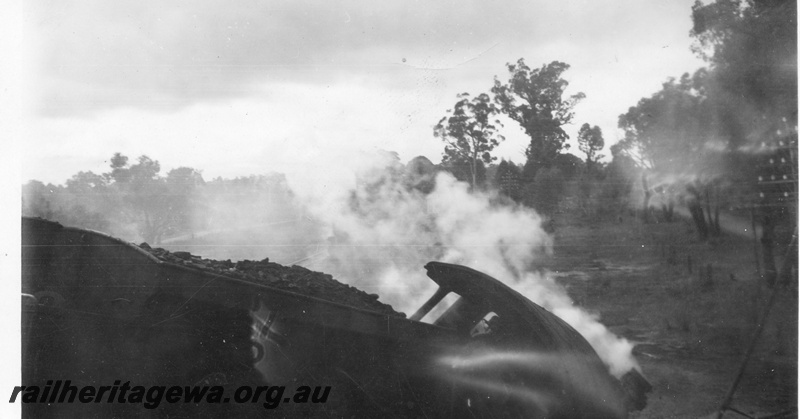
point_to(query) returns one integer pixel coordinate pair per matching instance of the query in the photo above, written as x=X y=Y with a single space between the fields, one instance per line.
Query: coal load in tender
x=295 y=279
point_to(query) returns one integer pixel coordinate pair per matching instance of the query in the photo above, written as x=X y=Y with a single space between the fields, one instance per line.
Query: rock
x=182 y=255
x=297 y=279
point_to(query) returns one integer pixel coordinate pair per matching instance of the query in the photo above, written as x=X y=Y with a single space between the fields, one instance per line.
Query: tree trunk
x=789 y=268
x=710 y=223
x=647 y=195
x=696 y=209
x=755 y=240
x=474 y=169
x=768 y=247
x=668 y=209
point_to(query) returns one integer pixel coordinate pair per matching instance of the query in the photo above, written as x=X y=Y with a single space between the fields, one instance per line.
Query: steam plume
x=382 y=232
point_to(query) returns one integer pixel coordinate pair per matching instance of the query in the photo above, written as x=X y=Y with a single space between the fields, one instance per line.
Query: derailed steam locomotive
x=258 y=336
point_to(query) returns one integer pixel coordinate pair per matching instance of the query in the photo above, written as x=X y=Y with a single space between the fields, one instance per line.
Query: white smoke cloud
x=383 y=233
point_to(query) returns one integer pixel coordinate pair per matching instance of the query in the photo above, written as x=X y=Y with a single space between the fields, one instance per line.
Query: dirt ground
x=649 y=283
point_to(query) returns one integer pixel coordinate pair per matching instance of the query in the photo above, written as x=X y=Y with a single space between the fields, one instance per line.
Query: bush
x=546 y=190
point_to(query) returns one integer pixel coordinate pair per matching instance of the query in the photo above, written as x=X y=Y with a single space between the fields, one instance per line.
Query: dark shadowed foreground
x=98 y=310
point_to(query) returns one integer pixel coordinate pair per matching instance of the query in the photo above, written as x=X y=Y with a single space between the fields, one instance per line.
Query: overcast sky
x=246 y=87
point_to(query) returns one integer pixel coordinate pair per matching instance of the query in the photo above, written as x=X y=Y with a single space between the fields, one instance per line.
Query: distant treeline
x=137 y=202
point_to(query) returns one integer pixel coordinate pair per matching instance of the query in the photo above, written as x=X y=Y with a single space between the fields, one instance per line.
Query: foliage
x=119 y=171
x=87 y=183
x=464 y=171
x=545 y=192
x=590 y=142
x=668 y=131
x=182 y=188
x=145 y=193
x=508 y=180
x=751 y=48
x=420 y=174
x=136 y=202
x=618 y=181
x=469 y=133
x=704 y=130
x=128 y=196
x=77 y=204
x=534 y=98
x=570 y=165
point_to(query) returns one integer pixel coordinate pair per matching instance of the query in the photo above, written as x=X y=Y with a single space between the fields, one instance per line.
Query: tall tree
x=469 y=133
x=158 y=205
x=751 y=48
x=119 y=169
x=671 y=134
x=667 y=132
x=534 y=98
x=590 y=142
x=143 y=191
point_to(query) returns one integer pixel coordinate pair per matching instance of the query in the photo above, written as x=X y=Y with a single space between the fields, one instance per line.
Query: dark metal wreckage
x=97 y=310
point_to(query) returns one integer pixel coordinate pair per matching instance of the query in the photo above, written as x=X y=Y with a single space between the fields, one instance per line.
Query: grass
x=651 y=284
